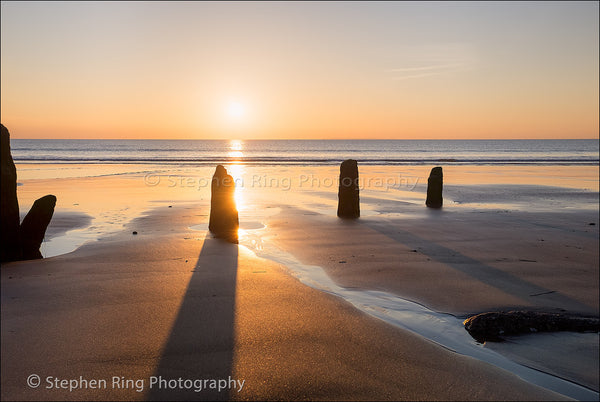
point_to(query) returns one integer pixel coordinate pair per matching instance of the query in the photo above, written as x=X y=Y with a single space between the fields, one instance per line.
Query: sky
x=301 y=70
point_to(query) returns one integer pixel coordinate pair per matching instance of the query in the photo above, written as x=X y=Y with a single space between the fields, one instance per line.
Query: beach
x=172 y=302
x=299 y=201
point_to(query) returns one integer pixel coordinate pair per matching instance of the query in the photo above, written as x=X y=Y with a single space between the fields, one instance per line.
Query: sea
x=307 y=152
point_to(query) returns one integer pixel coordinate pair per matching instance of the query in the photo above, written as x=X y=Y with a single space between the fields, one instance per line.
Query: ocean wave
x=308 y=152
x=304 y=161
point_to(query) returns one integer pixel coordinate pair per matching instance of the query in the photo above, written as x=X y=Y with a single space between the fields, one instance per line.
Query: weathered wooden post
x=348 y=200
x=223 y=222
x=434 y=188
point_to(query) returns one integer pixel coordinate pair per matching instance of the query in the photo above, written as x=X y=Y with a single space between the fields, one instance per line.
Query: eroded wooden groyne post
x=348 y=200
x=34 y=225
x=223 y=222
x=434 y=188
x=19 y=241
x=10 y=245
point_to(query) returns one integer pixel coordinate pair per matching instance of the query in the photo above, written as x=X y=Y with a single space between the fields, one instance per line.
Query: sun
x=236 y=110
x=237 y=115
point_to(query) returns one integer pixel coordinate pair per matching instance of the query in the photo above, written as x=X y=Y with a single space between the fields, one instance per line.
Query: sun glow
x=236 y=111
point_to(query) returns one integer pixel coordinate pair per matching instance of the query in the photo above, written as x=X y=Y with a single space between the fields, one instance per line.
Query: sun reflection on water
x=235 y=150
x=237 y=171
x=236 y=145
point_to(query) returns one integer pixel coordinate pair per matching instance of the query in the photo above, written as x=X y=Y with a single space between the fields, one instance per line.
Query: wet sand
x=132 y=306
x=461 y=262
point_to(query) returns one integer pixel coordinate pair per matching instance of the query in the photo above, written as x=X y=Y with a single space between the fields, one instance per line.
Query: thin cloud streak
x=425 y=68
x=406 y=73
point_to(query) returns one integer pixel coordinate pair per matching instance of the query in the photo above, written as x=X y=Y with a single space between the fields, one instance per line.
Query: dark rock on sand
x=223 y=222
x=33 y=227
x=434 y=188
x=348 y=200
x=10 y=248
x=493 y=325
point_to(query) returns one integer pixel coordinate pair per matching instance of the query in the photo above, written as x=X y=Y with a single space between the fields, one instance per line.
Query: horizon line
x=314 y=139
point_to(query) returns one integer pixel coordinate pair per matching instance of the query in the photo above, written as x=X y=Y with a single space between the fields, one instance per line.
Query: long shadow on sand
x=201 y=342
x=504 y=281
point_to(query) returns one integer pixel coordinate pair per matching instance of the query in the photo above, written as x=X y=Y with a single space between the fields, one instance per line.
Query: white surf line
x=443 y=329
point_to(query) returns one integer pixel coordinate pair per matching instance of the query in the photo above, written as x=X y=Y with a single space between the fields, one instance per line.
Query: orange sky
x=300 y=70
